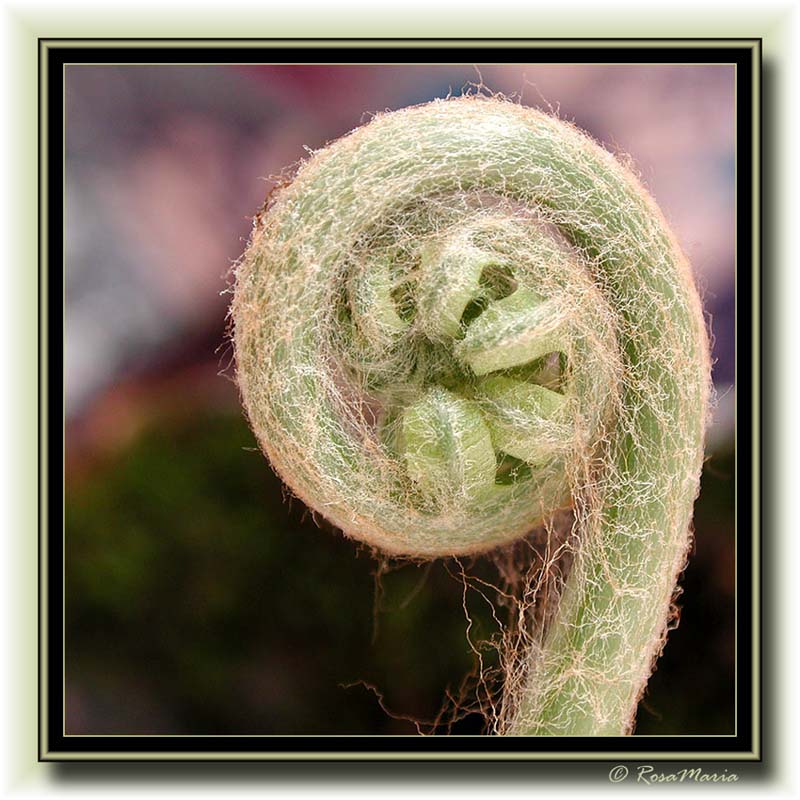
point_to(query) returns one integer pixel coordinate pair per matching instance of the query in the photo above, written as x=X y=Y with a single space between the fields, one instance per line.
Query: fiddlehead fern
x=460 y=318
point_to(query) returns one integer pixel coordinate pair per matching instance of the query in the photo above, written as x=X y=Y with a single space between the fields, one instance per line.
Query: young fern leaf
x=464 y=282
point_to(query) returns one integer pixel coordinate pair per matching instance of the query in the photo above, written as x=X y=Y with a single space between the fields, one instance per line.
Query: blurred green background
x=200 y=598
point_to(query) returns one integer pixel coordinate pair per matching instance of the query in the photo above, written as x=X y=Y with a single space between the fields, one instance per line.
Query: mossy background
x=200 y=601
x=199 y=597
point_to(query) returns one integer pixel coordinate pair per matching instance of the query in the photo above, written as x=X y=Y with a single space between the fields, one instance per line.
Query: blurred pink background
x=166 y=165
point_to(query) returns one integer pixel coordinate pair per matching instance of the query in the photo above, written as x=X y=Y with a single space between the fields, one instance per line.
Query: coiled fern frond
x=461 y=318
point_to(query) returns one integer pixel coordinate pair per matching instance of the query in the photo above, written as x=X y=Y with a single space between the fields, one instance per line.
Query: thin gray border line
x=396 y=43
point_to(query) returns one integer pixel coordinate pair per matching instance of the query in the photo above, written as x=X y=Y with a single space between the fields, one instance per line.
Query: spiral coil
x=457 y=320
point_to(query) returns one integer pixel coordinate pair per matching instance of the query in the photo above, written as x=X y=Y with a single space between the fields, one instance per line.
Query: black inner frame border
x=54 y=55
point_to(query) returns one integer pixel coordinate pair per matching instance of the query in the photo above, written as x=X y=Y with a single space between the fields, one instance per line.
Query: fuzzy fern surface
x=460 y=319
